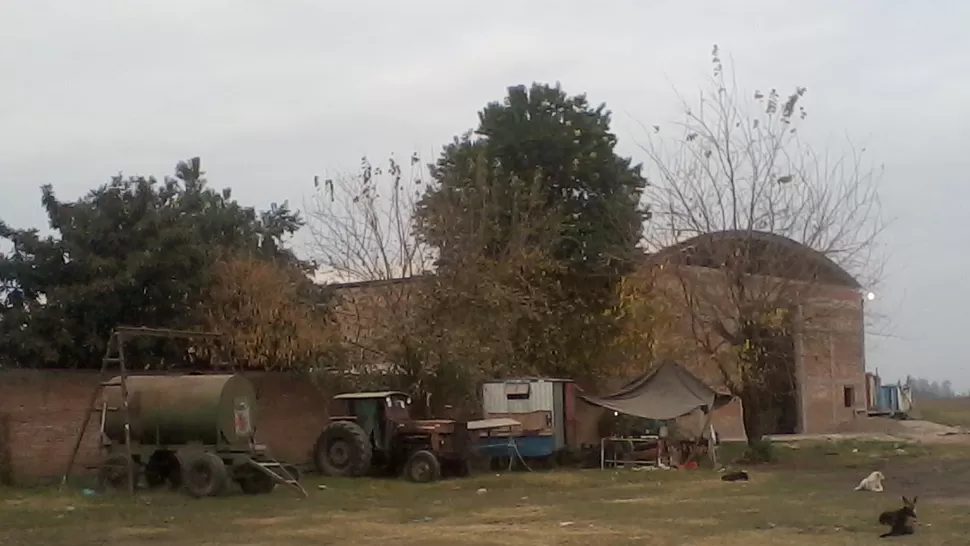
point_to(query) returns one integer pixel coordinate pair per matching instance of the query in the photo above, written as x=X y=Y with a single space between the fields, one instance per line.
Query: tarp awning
x=667 y=392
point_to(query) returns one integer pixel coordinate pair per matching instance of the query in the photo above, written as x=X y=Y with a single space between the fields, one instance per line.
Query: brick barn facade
x=827 y=325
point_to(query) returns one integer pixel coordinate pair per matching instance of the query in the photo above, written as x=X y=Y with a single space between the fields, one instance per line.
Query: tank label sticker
x=243 y=425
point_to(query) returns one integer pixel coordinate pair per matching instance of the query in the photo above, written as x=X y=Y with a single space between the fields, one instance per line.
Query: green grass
x=805 y=499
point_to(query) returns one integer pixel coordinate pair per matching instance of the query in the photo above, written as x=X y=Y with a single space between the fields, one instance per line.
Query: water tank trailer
x=193 y=432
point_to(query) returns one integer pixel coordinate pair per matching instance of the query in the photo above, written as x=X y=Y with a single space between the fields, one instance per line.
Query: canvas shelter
x=667 y=392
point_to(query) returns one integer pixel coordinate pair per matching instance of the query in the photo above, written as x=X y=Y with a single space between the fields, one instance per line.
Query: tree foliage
x=647 y=322
x=738 y=169
x=429 y=331
x=135 y=251
x=271 y=315
x=932 y=390
x=542 y=134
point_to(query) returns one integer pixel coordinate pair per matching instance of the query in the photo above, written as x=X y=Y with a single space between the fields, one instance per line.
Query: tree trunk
x=751 y=417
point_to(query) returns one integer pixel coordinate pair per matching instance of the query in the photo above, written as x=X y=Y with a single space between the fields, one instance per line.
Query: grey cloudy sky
x=271 y=93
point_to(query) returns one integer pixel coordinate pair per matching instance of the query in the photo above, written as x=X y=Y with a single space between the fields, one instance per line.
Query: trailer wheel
x=257 y=483
x=343 y=449
x=422 y=467
x=293 y=472
x=113 y=473
x=204 y=475
x=463 y=469
x=162 y=467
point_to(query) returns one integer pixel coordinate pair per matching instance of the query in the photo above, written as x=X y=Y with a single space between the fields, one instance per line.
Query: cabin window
x=848 y=396
x=516 y=391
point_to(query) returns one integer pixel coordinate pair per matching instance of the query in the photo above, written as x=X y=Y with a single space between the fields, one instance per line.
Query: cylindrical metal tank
x=181 y=409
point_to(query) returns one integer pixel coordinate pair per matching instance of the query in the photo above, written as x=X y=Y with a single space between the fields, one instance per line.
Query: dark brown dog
x=901 y=522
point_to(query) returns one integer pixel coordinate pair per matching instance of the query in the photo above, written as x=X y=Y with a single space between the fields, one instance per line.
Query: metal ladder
x=113 y=354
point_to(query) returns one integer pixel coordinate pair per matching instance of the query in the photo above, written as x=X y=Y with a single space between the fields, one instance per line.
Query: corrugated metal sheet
x=495 y=398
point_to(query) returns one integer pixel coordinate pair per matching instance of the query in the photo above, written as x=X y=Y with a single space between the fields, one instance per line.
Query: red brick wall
x=831 y=349
x=830 y=353
x=45 y=410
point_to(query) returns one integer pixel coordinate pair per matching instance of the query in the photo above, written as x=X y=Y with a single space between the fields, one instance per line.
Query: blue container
x=528 y=446
x=888 y=399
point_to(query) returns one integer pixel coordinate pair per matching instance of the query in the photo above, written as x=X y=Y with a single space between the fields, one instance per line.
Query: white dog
x=872 y=482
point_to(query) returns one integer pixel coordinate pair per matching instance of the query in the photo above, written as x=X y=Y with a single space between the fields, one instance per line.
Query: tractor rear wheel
x=343 y=449
x=204 y=475
x=422 y=467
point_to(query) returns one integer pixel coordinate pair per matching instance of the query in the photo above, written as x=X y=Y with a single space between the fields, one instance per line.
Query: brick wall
x=829 y=346
x=831 y=350
x=46 y=408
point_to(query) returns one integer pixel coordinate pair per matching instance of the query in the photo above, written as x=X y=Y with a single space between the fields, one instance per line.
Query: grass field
x=954 y=412
x=805 y=499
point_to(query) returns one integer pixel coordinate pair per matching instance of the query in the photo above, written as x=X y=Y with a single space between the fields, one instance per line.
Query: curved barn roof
x=783 y=252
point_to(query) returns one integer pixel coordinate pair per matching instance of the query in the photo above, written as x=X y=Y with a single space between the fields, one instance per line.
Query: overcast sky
x=271 y=93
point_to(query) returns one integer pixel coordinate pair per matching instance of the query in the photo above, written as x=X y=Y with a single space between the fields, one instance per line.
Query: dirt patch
x=872 y=425
x=885 y=429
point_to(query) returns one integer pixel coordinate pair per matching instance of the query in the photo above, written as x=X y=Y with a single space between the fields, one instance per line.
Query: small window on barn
x=517 y=391
x=848 y=396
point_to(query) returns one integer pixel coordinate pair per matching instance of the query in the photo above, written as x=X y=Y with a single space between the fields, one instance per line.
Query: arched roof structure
x=768 y=253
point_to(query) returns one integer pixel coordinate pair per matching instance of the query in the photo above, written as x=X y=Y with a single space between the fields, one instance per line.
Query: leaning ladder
x=113 y=354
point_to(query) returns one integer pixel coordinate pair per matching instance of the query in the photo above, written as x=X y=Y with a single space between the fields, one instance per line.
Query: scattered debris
x=566 y=523
x=482 y=491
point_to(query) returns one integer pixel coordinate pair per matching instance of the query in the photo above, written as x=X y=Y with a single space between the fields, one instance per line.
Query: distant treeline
x=933 y=390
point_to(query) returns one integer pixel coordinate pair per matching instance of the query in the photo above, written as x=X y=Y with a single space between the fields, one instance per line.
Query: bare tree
x=738 y=174
x=361 y=226
x=420 y=329
x=362 y=239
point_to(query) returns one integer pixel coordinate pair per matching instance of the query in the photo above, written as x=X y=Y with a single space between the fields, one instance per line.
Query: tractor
x=372 y=433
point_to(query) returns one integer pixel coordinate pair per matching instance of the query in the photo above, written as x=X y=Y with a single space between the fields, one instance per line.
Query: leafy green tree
x=134 y=251
x=541 y=133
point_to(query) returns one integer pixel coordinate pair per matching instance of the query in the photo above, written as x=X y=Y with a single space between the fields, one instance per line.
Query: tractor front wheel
x=343 y=449
x=422 y=467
